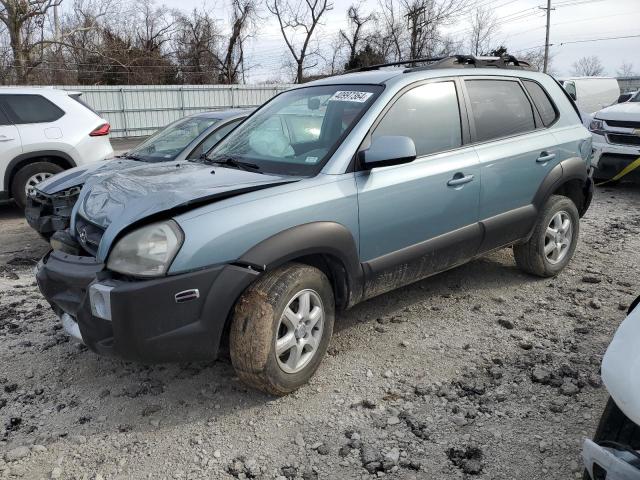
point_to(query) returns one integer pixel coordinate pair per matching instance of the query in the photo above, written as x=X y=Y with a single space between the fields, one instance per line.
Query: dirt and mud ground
x=480 y=372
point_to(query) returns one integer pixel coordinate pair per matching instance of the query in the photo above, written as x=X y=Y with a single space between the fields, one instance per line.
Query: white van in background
x=592 y=93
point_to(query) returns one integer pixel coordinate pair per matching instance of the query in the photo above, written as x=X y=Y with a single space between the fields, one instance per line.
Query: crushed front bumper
x=610 y=159
x=47 y=215
x=174 y=318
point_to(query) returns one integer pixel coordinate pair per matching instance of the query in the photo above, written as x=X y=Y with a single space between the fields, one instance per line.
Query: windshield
x=635 y=98
x=167 y=143
x=296 y=132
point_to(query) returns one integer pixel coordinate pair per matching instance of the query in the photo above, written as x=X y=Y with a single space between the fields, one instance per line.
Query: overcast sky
x=525 y=29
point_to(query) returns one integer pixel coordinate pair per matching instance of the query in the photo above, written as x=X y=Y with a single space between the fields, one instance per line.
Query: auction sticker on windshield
x=350 y=96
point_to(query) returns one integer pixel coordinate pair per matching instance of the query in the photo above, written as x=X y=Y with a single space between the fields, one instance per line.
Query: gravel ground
x=480 y=372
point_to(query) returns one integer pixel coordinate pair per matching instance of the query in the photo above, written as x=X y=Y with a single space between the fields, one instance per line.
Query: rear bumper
x=142 y=319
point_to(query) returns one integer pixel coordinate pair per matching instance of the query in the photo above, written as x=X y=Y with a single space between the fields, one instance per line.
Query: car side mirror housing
x=573 y=96
x=386 y=151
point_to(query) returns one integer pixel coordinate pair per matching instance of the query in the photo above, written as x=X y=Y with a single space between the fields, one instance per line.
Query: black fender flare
x=23 y=159
x=330 y=239
x=573 y=168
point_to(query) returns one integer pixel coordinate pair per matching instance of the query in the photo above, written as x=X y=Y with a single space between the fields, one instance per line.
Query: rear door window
x=500 y=108
x=30 y=109
x=428 y=114
x=3 y=118
x=541 y=100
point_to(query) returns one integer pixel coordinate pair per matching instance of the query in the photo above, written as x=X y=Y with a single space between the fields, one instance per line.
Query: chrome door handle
x=457 y=181
x=545 y=157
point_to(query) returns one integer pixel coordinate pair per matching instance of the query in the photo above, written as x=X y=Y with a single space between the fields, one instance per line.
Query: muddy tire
x=553 y=241
x=281 y=328
x=30 y=175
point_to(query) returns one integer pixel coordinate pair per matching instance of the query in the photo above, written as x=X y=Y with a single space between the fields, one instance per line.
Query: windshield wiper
x=233 y=163
x=132 y=156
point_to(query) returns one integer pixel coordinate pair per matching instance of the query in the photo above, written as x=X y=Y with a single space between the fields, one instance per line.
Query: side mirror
x=573 y=96
x=387 y=150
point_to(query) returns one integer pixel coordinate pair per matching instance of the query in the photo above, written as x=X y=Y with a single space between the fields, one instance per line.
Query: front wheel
x=553 y=241
x=281 y=328
x=26 y=179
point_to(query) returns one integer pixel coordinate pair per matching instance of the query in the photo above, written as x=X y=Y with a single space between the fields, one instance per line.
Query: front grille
x=623 y=123
x=88 y=235
x=623 y=139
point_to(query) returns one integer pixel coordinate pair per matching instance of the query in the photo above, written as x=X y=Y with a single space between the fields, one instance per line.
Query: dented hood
x=77 y=176
x=116 y=199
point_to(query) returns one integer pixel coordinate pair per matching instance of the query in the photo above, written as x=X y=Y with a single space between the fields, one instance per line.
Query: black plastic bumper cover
x=147 y=324
x=41 y=222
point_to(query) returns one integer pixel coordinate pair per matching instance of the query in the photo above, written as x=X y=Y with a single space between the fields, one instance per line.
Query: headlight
x=148 y=251
x=597 y=126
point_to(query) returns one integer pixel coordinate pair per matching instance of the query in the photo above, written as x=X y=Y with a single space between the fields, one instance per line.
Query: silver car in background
x=49 y=205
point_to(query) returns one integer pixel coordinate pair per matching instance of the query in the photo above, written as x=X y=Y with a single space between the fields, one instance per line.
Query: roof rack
x=457 y=61
x=454 y=61
x=396 y=64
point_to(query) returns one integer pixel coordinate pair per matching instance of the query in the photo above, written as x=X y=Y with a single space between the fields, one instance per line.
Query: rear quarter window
x=30 y=108
x=542 y=101
x=76 y=97
x=500 y=108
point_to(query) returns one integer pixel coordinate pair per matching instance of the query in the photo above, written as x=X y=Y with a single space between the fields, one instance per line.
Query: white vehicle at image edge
x=614 y=452
x=44 y=131
x=616 y=139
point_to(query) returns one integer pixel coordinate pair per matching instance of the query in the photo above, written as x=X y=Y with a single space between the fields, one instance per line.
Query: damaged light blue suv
x=329 y=194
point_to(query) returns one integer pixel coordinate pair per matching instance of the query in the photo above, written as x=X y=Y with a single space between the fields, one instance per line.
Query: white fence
x=629 y=84
x=136 y=110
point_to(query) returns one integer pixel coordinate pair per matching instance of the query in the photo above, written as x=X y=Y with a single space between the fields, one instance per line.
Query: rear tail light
x=101 y=130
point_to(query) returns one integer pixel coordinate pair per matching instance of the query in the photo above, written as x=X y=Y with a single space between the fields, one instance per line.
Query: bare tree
x=232 y=59
x=393 y=31
x=535 y=58
x=424 y=19
x=299 y=16
x=25 y=24
x=626 y=70
x=196 y=46
x=81 y=29
x=484 y=26
x=355 y=34
x=153 y=25
x=588 y=67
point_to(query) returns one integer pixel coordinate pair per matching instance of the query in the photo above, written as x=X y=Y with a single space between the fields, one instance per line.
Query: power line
x=599 y=39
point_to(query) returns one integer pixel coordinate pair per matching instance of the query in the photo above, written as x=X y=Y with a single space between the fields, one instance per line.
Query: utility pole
x=546 y=42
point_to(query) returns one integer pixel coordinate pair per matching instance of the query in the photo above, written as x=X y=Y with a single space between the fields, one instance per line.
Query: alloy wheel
x=558 y=237
x=299 y=331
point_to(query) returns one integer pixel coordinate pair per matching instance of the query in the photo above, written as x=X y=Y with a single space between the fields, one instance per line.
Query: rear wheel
x=281 y=327
x=553 y=241
x=28 y=177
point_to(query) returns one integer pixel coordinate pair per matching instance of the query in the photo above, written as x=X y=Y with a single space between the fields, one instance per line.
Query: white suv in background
x=616 y=139
x=42 y=132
